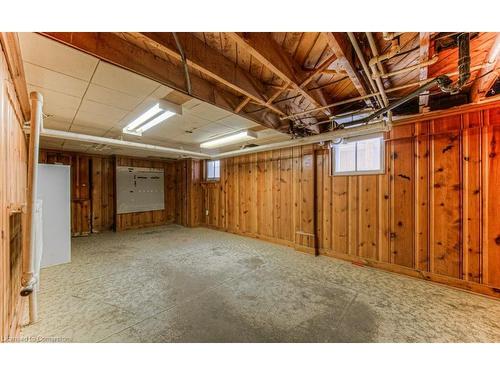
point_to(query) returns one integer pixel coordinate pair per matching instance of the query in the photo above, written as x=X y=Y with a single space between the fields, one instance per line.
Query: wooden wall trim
x=12 y=52
x=425 y=275
x=466 y=108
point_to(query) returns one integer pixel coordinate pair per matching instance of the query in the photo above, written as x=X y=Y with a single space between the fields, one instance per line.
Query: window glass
x=345 y=160
x=213 y=169
x=368 y=155
x=362 y=156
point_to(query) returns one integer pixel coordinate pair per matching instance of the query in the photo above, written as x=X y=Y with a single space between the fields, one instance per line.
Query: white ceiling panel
x=99 y=132
x=56 y=123
x=55 y=103
x=98 y=115
x=165 y=129
x=161 y=92
x=196 y=137
x=217 y=129
x=112 y=98
x=122 y=80
x=208 y=112
x=55 y=81
x=42 y=51
x=190 y=104
x=237 y=122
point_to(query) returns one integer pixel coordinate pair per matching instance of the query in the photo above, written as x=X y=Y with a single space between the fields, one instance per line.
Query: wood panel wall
x=92 y=195
x=13 y=177
x=433 y=214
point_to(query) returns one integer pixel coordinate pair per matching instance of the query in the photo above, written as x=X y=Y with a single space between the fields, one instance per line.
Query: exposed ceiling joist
x=488 y=74
x=115 y=50
x=264 y=48
x=209 y=62
x=342 y=48
x=323 y=66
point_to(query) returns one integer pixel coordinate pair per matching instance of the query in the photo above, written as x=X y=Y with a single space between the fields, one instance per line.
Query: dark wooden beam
x=210 y=62
x=12 y=51
x=115 y=50
x=265 y=49
x=342 y=48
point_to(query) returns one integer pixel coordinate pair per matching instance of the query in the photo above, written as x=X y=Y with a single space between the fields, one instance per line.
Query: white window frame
x=217 y=178
x=357 y=172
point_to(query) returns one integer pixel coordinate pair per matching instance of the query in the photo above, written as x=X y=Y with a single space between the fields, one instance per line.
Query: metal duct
x=463 y=65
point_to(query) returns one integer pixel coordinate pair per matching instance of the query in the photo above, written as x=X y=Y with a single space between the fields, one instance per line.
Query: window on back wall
x=357 y=156
x=212 y=170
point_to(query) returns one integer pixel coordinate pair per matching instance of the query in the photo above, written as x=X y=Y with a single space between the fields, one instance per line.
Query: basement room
x=250 y=186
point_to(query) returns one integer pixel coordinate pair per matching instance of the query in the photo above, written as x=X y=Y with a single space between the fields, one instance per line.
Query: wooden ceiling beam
x=342 y=48
x=265 y=49
x=319 y=70
x=488 y=74
x=115 y=50
x=12 y=51
x=210 y=62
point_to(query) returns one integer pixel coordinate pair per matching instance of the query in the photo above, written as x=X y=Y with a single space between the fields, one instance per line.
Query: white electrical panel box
x=139 y=189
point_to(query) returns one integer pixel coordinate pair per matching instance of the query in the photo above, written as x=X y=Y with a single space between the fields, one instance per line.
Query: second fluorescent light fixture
x=152 y=117
x=245 y=135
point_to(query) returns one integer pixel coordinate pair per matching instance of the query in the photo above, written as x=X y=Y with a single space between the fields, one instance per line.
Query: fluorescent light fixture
x=148 y=125
x=228 y=139
x=152 y=117
x=153 y=111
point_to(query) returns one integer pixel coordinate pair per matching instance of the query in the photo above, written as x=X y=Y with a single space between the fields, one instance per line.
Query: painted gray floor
x=174 y=284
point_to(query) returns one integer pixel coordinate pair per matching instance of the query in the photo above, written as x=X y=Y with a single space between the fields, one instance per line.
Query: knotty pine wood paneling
x=433 y=214
x=13 y=178
x=93 y=195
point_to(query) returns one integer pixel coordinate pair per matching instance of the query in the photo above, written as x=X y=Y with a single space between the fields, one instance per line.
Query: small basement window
x=212 y=168
x=358 y=156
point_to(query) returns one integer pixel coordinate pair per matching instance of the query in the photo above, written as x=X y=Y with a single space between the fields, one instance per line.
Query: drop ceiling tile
x=98 y=115
x=191 y=103
x=54 y=81
x=208 y=112
x=113 y=133
x=161 y=92
x=111 y=97
x=56 y=123
x=42 y=51
x=217 y=129
x=57 y=104
x=237 y=122
x=122 y=80
x=196 y=137
x=164 y=129
x=88 y=130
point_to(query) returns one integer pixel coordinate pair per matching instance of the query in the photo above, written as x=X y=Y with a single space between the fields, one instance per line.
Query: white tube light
x=232 y=138
x=148 y=125
x=153 y=111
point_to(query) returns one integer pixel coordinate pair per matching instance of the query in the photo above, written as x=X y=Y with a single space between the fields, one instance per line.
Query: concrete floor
x=174 y=284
